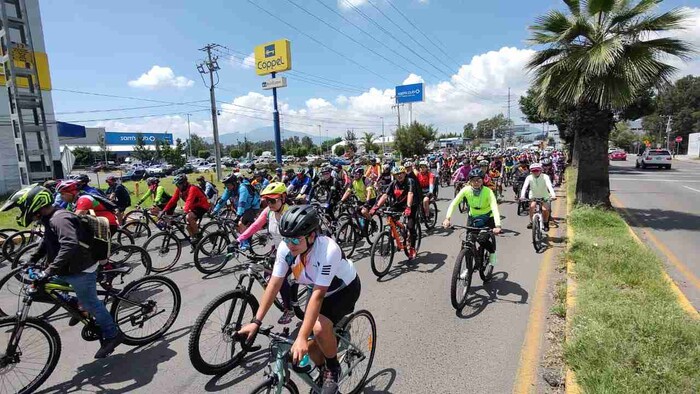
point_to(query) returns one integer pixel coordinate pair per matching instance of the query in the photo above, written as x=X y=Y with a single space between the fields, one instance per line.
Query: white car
x=204 y=168
x=654 y=157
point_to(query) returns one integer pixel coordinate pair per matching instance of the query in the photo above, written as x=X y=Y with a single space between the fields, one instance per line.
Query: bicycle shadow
x=405 y=266
x=380 y=382
x=121 y=368
x=498 y=286
x=249 y=366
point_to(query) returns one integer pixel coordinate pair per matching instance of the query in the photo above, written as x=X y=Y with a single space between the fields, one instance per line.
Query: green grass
x=628 y=333
x=559 y=307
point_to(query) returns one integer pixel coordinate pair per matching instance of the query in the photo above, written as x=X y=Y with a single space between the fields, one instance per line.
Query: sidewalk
x=687 y=159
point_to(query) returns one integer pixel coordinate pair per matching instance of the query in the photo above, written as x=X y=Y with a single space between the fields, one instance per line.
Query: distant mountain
x=262 y=134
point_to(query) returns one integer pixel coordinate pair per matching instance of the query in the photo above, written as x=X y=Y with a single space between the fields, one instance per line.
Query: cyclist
x=314 y=260
x=426 y=182
x=230 y=193
x=208 y=188
x=520 y=174
x=248 y=204
x=259 y=181
x=119 y=195
x=374 y=170
x=540 y=187
x=495 y=176
x=278 y=177
x=157 y=194
x=276 y=196
x=402 y=195
x=83 y=185
x=301 y=185
x=333 y=185
x=82 y=203
x=196 y=204
x=341 y=175
x=508 y=165
x=385 y=179
x=483 y=209
x=548 y=168
x=362 y=188
x=462 y=174
x=73 y=263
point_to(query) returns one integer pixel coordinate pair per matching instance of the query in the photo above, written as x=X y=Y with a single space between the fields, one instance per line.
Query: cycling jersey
x=521 y=173
x=159 y=196
x=87 y=202
x=360 y=187
x=482 y=205
x=540 y=187
x=462 y=173
x=301 y=185
x=426 y=181
x=248 y=198
x=228 y=195
x=193 y=196
x=324 y=265
x=398 y=193
x=373 y=172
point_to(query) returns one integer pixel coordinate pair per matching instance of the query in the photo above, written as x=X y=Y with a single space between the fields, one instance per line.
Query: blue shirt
x=247 y=201
x=228 y=195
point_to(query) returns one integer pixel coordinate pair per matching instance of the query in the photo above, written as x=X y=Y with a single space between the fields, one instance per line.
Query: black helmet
x=298 y=220
x=152 y=181
x=476 y=173
x=29 y=200
x=546 y=161
x=232 y=179
x=83 y=178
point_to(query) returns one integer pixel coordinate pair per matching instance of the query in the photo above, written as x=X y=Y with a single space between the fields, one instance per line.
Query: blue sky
x=100 y=46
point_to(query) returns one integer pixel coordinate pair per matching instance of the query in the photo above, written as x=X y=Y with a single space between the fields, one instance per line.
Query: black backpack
x=106 y=202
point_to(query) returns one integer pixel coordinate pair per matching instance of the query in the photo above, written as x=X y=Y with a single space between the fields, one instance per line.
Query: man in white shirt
x=539 y=186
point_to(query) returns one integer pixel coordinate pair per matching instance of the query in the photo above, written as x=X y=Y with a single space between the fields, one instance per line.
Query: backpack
x=97 y=237
x=106 y=202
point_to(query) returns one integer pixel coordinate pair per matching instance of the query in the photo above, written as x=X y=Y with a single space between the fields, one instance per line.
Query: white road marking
x=688 y=187
x=655 y=180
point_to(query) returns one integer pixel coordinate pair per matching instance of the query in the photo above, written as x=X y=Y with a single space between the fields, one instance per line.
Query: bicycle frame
x=395 y=226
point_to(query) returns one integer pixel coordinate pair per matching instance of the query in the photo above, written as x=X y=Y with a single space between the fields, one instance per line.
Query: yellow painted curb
x=570 y=385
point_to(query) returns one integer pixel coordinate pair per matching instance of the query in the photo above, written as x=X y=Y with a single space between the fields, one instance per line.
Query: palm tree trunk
x=592 y=126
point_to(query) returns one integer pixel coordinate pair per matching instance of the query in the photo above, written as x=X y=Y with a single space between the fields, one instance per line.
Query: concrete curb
x=570 y=385
x=686 y=160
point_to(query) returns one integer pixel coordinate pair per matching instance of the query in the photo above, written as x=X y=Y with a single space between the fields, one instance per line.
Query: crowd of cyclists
x=288 y=206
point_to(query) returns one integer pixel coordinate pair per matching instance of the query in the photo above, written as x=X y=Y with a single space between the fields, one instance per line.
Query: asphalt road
x=664 y=206
x=423 y=346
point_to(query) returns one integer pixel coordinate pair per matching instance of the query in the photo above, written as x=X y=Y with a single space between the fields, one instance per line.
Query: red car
x=618 y=155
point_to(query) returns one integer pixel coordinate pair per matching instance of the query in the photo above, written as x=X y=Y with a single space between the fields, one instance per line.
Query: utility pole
x=503 y=145
x=320 y=141
x=212 y=66
x=668 y=133
x=398 y=113
x=383 y=142
x=189 y=133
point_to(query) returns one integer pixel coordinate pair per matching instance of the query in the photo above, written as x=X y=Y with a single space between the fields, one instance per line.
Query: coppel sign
x=410 y=93
x=273 y=57
x=117 y=138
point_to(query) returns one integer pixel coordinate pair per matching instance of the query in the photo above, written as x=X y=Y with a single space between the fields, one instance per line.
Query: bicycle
x=470 y=258
x=20 y=239
x=213 y=252
x=522 y=204
x=138 y=222
x=130 y=312
x=352 y=226
x=160 y=244
x=429 y=220
x=538 y=233
x=395 y=230
x=354 y=349
x=459 y=185
x=222 y=324
x=444 y=177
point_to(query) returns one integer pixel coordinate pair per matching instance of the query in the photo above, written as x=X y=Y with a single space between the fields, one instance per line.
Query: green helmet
x=29 y=200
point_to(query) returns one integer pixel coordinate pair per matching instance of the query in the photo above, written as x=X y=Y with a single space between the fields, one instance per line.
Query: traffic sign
x=273 y=57
x=278 y=82
x=410 y=93
x=679 y=139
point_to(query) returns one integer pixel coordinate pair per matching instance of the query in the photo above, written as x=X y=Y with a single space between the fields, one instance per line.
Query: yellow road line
x=570 y=385
x=682 y=299
x=526 y=378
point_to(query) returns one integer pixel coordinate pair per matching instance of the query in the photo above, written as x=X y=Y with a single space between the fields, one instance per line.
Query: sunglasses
x=293 y=241
x=272 y=200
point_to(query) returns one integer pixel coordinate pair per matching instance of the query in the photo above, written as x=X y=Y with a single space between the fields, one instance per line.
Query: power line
x=115 y=96
x=124 y=108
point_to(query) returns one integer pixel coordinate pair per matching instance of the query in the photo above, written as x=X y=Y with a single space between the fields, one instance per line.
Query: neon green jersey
x=483 y=204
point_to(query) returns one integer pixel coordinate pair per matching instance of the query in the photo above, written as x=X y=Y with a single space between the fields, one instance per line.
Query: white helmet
x=535 y=166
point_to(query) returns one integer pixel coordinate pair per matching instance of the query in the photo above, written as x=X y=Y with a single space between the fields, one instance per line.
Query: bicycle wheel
x=419 y=237
x=347 y=237
x=520 y=208
x=269 y=386
x=536 y=233
x=136 y=257
x=120 y=238
x=146 y=309
x=374 y=226
x=486 y=269
x=11 y=291
x=141 y=231
x=216 y=255
x=360 y=330
x=461 y=278
x=300 y=298
x=431 y=220
x=211 y=347
x=15 y=242
x=381 y=254
x=164 y=249
x=36 y=356
x=463 y=206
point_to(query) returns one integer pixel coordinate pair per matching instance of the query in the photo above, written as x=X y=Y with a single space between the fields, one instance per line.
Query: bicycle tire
x=194 y=346
x=374 y=226
x=430 y=221
x=486 y=269
x=10 y=291
x=269 y=386
x=158 y=247
x=347 y=237
x=212 y=261
x=11 y=246
x=131 y=290
x=136 y=257
x=383 y=243
x=120 y=238
x=536 y=235
x=138 y=229
x=463 y=206
x=7 y=325
x=464 y=260
x=371 y=342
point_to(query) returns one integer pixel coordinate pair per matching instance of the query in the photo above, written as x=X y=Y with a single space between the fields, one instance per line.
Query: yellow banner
x=42 y=63
x=273 y=57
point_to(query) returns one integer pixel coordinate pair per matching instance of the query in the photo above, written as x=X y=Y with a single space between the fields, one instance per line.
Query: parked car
x=246 y=164
x=186 y=169
x=654 y=157
x=617 y=155
x=134 y=175
x=205 y=168
x=334 y=161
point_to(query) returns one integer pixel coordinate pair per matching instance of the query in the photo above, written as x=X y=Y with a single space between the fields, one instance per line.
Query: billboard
x=273 y=57
x=119 y=138
x=410 y=93
x=694 y=145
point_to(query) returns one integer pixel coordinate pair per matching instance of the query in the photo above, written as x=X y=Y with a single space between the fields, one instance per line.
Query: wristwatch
x=257 y=321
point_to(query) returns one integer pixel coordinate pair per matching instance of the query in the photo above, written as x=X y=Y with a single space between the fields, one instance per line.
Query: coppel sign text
x=273 y=57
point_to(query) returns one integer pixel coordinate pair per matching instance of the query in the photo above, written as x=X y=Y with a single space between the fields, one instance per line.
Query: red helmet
x=68 y=186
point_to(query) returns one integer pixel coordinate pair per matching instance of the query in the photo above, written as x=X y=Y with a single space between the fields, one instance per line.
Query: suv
x=654 y=157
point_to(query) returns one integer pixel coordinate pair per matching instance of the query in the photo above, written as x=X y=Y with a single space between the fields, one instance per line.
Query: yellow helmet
x=274 y=188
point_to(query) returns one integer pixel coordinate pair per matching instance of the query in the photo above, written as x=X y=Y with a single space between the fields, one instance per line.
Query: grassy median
x=628 y=333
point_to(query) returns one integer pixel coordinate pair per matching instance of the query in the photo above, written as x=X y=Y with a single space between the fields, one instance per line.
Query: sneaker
x=492 y=259
x=108 y=345
x=412 y=253
x=330 y=380
x=546 y=227
x=529 y=226
x=73 y=321
x=245 y=244
x=287 y=317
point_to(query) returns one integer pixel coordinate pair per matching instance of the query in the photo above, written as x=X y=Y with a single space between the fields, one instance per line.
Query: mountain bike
x=19 y=239
x=215 y=250
x=138 y=222
x=459 y=185
x=165 y=247
x=395 y=236
x=444 y=177
x=352 y=226
x=471 y=257
x=31 y=347
x=224 y=315
x=522 y=204
x=538 y=233
x=357 y=343
x=429 y=220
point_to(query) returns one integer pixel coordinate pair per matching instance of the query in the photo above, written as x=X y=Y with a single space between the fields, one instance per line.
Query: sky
x=347 y=57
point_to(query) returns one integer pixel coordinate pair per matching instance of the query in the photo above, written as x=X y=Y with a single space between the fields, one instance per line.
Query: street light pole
x=383 y=142
x=189 y=133
x=320 y=141
x=212 y=66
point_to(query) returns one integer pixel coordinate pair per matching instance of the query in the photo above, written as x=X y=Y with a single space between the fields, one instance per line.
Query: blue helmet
x=476 y=173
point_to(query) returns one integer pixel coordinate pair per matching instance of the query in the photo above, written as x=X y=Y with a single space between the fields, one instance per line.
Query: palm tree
x=368 y=142
x=598 y=58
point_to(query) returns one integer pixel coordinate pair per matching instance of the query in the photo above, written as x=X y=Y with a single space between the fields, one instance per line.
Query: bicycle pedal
x=252 y=348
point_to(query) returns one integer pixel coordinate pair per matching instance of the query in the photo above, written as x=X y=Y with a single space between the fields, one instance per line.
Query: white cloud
x=160 y=77
x=246 y=63
x=348 y=4
x=424 y=1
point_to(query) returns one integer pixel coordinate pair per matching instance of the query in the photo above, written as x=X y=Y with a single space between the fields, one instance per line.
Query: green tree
x=468 y=131
x=83 y=155
x=554 y=113
x=622 y=137
x=235 y=153
x=141 y=152
x=449 y=135
x=301 y=152
x=414 y=139
x=339 y=150
x=350 y=141
x=258 y=152
x=327 y=144
x=599 y=57
x=203 y=154
x=498 y=123
x=368 y=142
x=307 y=142
x=198 y=144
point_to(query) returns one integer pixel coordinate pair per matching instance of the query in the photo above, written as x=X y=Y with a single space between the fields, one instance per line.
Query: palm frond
x=671 y=20
x=574 y=7
x=553 y=22
x=543 y=57
x=667 y=45
x=595 y=7
x=601 y=57
x=625 y=15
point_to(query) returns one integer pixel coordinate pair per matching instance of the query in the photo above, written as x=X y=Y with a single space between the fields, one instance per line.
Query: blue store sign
x=118 y=138
x=409 y=93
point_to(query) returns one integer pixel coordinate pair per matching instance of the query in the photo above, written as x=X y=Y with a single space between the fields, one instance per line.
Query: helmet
x=408 y=163
x=179 y=179
x=326 y=170
x=546 y=161
x=274 y=188
x=422 y=163
x=278 y=170
x=301 y=171
x=111 y=178
x=476 y=173
x=461 y=164
x=83 y=178
x=299 y=220
x=483 y=163
x=358 y=170
x=386 y=168
x=480 y=158
x=398 y=170
x=152 y=181
x=69 y=186
x=378 y=160
x=230 y=179
x=535 y=166
x=51 y=185
x=257 y=173
x=29 y=200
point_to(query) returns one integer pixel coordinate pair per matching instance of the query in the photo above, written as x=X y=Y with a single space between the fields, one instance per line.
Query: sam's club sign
x=410 y=93
x=118 y=138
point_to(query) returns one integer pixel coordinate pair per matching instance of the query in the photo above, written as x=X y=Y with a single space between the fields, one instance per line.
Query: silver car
x=654 y=158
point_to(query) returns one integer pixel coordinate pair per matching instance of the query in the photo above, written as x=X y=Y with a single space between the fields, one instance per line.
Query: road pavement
x=664 y=207
x=423 y=346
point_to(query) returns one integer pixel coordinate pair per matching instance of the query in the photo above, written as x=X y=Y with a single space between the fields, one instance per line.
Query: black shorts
x=249 y=217
x=199 y=212
x=342 y=303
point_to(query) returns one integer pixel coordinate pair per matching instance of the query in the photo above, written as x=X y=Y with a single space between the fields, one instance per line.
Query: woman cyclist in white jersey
x=316 y=260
